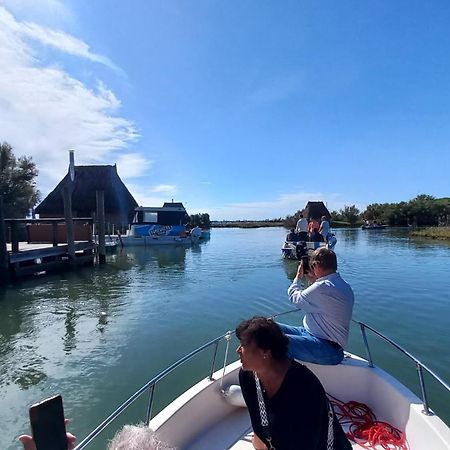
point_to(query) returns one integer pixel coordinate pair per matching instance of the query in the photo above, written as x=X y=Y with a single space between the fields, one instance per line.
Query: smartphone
x=47 y=424
x=305 y=264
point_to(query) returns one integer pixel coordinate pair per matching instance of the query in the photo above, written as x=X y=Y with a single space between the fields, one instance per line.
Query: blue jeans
x=309 y=348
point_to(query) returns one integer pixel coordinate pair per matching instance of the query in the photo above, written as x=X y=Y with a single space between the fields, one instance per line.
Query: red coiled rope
x=365 y=429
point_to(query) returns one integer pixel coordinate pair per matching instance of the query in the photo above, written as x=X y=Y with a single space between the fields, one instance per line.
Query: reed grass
x=433 y=233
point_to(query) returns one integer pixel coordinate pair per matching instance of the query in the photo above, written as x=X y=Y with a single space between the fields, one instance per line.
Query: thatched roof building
x=316 y=210
x=119 y=203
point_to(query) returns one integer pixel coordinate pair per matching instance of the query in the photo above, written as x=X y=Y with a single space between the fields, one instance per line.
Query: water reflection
x=96 y=334
x=347 y=236
x=290 y=267
x=163 y=255
x=70 y=324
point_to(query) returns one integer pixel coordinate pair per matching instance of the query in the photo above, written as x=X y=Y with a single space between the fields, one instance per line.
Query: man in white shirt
x=302 y=225
x=324 y=228
x=328 y=305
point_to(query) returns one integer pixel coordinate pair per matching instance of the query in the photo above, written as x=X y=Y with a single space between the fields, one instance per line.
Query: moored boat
x=161 y=226
x=211 y=414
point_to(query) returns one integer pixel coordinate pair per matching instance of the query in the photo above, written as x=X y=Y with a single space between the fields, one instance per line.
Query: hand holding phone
x=48 y=425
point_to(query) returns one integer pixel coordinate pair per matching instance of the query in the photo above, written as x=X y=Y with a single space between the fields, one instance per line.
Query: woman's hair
x=136 y=437
x=265 y=333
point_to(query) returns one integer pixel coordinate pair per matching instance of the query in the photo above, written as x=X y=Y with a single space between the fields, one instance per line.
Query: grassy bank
x=433 y=233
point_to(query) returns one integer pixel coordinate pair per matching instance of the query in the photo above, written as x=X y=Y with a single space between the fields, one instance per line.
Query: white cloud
x=44 y=111
x=165 y=188
x=63 y=42
x=132 y=165
x=150 y=196
x=42 y=9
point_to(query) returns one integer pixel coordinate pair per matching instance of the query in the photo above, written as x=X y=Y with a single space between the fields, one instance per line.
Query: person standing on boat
x=302 y=225
x=313 y=225
x=285 y=392
x=324 y=228
x=328 y=305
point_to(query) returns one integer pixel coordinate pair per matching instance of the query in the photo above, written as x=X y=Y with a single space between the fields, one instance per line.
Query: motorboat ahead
x=212 y=415
x=298 y=249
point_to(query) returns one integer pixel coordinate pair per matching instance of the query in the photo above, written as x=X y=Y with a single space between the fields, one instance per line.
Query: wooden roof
x=316 y=210
x=87 y=180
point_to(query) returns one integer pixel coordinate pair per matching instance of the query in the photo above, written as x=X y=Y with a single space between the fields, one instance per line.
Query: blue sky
x=242 y=109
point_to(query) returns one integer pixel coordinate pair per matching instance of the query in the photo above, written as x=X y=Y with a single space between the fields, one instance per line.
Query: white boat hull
x=131 y=241
x=201 y=418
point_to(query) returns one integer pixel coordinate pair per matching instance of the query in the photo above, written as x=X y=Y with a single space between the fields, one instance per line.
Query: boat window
x=150 y=217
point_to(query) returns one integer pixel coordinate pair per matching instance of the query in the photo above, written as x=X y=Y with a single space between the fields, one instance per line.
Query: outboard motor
x=301 y=250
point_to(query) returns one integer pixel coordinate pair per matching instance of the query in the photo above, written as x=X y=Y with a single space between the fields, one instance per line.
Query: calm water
x=97 y=335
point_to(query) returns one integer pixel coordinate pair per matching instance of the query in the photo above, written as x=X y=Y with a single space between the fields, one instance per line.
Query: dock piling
x=100 y=199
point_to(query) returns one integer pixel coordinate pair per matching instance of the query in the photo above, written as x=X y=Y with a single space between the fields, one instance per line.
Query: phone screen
x=47 y=424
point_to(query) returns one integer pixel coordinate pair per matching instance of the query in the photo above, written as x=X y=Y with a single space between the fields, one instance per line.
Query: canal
x=97 y=334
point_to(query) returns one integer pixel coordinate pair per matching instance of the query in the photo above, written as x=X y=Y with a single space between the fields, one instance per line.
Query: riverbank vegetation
x=17 y=182
x=433 y=233
x=424 y=210
x=199 y=220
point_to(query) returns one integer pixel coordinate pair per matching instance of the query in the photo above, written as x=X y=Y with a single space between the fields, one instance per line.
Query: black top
x=297 y=413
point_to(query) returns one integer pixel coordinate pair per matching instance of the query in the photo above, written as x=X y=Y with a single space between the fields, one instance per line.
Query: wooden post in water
x=100 y=197
x=67 y=198
x=14 y=237
x=4 y=261
x=55 y=234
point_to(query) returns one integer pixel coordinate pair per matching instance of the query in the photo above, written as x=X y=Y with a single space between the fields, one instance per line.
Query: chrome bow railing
x=149 y=387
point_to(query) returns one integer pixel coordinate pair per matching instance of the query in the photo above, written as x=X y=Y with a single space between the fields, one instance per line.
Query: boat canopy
x=169 y=214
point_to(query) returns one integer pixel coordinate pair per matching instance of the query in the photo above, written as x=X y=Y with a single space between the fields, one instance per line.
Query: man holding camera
x=328 y=304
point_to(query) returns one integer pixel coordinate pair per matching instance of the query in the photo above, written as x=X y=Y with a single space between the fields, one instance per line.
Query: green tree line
x=423 y=210
x=199 y=220
x=17 y=183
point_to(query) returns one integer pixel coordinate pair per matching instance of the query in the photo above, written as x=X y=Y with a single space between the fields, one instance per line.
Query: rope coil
x=364 y=428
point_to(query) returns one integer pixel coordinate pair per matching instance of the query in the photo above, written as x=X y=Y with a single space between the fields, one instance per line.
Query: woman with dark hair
x=287 y=404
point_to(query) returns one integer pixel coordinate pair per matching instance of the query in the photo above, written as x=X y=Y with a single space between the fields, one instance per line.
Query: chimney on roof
x=72 y=164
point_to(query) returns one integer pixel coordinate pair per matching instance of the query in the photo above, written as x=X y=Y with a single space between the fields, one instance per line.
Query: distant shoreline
x=267 y=224
x=246 y=224
x=442 y=233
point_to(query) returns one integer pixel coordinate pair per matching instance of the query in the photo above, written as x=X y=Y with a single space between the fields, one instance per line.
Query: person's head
x=301 y=216
x=323 y=262
x=136 y=437
x=261 y=342
x=292 y=230
x=324 y=217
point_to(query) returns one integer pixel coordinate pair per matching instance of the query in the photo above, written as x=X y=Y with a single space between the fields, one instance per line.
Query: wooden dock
x=22 y=258
x=35 y=259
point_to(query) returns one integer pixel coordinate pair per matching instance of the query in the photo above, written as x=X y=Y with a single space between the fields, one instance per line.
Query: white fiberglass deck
x=201 y=419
